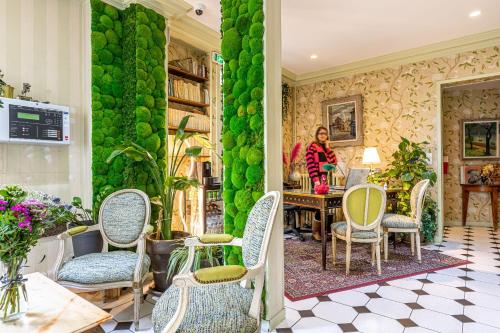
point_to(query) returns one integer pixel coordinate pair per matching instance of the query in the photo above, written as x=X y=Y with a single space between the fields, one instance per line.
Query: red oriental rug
x=304 y=277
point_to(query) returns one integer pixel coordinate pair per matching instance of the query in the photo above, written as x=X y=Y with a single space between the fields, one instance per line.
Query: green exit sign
x=217 y=58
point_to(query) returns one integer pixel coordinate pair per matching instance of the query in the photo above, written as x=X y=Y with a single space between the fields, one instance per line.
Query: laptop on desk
x=354 y=177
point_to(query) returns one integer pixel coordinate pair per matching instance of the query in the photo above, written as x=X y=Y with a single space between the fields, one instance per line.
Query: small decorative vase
x=13 y=295
x=294 y=175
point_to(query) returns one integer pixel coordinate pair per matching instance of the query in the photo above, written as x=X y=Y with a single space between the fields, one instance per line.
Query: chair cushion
x=220 y=274
x=211 y=308
x=398 y=221
x=215 y=238
x=102 y=267
x=340 y=228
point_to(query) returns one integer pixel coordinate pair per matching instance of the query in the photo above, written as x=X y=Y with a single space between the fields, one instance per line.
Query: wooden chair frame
x=140 y=242
x=185 y=279
x=414 y=232
x=374 y=226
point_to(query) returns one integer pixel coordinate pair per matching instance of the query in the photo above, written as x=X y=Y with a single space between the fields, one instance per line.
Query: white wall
x=42 y=43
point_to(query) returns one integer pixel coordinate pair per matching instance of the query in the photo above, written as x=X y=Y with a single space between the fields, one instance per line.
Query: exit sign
x=217 y=58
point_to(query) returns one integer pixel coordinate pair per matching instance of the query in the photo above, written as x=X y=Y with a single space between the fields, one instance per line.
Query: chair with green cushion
x=123 y=222
x=407 y=224
x=363 y=206
x=220 y=299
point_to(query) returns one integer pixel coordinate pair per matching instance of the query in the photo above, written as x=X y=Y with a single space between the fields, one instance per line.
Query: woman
x=318 y=154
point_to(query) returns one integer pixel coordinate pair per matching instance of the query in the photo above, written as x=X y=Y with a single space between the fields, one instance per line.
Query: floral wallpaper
x=465 y=105
x=398 y=101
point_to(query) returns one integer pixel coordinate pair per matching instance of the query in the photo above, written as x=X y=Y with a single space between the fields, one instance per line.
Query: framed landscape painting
x=479 y=139
x=344 y=119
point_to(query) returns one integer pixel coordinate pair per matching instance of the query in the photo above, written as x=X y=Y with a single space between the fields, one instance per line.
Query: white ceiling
x=344 y=31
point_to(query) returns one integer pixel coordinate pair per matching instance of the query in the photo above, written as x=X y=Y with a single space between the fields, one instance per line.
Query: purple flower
x=3 y=203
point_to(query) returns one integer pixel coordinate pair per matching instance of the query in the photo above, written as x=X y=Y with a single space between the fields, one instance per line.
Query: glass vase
x=13 y=295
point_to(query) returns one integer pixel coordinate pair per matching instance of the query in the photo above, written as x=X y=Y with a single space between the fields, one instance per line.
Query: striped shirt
x=316 y=156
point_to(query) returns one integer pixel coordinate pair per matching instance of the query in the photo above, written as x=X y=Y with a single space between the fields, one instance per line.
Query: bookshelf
x=187 y=102
x=174 y=70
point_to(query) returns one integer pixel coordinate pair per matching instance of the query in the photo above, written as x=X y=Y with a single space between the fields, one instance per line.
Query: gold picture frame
x=344 y=119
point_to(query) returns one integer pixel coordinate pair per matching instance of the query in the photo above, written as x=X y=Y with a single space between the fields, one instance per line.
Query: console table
x=491 y=189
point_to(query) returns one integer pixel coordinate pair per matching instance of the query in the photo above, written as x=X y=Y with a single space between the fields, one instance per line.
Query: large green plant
x=409 y=166
x=166 y=181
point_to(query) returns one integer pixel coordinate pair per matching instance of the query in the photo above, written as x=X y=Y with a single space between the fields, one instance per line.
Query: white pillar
x=273 y=178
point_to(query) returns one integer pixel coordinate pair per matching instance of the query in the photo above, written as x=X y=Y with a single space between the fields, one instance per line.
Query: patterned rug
x=304 y=277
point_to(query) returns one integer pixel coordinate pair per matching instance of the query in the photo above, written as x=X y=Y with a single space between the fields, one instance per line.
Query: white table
x=54 y=309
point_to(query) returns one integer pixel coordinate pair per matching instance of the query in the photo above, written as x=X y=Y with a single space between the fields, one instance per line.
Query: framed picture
x=344 y=119
x=470 y=174
x=479 y=139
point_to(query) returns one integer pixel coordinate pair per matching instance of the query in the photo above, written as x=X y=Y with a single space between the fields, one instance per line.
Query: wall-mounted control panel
x=33 y=122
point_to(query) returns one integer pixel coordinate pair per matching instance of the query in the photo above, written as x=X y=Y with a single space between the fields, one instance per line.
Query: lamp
x=370 y=156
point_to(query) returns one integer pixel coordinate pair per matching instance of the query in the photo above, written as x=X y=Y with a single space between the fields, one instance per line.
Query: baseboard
x=469 y=224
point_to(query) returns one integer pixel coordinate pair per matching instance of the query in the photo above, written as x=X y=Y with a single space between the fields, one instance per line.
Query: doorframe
x=439 y=170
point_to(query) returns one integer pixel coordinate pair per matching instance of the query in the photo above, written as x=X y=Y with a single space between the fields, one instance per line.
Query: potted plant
x=409 y=166
x=87 y=242
x=163 y=240
x=206 y=256
x=23 y=221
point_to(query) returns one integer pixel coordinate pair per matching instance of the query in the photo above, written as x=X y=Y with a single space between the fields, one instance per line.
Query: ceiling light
x=314 y=56
x=475 y=13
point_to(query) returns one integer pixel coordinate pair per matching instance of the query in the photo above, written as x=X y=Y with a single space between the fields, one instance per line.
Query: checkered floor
x=463 y=299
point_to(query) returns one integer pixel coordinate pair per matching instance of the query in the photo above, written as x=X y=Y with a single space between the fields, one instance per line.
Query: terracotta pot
x=159 y=251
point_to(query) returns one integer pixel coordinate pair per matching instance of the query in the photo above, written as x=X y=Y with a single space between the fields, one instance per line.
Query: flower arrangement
x=23 y=220
x=487 y=172
x=293 y=174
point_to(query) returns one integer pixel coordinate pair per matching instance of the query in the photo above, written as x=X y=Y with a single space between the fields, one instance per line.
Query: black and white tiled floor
x=464 y=299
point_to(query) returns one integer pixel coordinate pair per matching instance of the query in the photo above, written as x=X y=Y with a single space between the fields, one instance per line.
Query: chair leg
x=377 y=251
x=334 y=249
x=347 y=257
x=137 y=306
x=386 y=246
x=373 y=254
x=412 y=240
x=417 y=241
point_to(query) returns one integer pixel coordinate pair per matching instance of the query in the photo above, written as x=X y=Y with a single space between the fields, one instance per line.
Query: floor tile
x=109 y=325
x=443 y=291
x=440 y=304
x=484 y=300
x=335 y=312
x=348 y=327
x=306 y=304
x=397 y=294
x=484 y=287
x=409 y=284
x=436 y=321
x=350 y=297
x=447 y=280
x=388 y=308
x=479 y=328
x=418 y=330
x=483 y=315
x=374 y=323
x=315 y=325
x=291 y=317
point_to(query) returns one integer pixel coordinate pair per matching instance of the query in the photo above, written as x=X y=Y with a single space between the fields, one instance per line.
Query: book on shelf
x=192 y=66
x=187 y=90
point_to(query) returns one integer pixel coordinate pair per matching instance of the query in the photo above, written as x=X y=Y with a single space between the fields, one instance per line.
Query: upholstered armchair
x=407 y=224
x=123 y=221
x=363 y=207
x=220 y=299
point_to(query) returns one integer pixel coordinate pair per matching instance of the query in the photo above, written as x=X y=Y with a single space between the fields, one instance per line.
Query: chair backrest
x=305 y=182
x=123 y=216
x=364 y=206
x=417 y=199
x=258 y=229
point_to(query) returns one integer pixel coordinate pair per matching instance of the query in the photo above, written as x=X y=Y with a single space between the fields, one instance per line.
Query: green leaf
x=193 y=151
x=407 y=177
x=182 y=126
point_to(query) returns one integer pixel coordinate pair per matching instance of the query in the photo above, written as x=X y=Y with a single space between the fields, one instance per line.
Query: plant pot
x=159 y=251
x=88 y=242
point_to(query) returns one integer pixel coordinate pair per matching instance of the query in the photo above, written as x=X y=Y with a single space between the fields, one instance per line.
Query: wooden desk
x=324 y=202
x=54 y=309
x=491 y=189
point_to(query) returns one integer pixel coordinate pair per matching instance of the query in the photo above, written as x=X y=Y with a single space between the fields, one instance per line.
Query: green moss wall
x=128 y=92
x=243 y=122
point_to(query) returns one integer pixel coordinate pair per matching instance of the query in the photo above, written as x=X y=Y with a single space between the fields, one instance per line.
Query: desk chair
x=363 y=207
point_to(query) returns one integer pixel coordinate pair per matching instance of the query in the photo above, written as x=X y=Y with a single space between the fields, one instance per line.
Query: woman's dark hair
x=317 y=132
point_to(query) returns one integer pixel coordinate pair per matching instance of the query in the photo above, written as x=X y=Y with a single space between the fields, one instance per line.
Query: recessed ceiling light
x=475 y=13
x=314 y=56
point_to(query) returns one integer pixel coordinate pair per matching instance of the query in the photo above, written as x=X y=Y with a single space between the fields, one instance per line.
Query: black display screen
x=35 y=123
